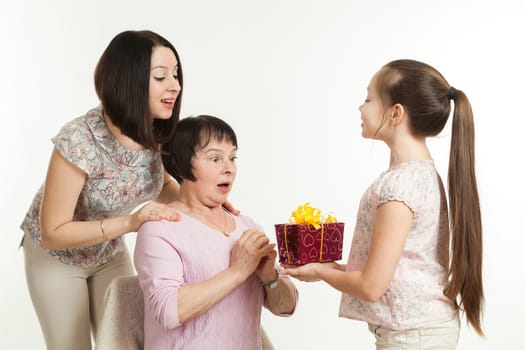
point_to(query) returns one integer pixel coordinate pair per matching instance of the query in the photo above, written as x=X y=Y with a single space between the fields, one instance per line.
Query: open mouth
x=224 y=186
x=169 y=102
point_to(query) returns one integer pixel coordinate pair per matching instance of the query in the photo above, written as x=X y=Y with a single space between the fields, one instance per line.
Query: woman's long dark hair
x=122 y=80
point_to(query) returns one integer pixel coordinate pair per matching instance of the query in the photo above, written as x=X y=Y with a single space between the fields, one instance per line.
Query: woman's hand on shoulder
x=154 y=211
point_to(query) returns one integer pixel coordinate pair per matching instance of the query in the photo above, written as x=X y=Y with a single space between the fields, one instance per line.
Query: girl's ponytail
x=465 y=273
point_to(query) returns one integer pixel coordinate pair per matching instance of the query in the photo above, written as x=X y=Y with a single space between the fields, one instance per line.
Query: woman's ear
x=397 y=114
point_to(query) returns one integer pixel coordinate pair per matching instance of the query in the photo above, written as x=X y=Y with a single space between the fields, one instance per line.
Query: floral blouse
x=415 y=296
x=118 y=180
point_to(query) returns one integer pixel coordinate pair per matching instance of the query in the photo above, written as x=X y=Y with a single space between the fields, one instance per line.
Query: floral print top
x=118 y=180
x=415 y=296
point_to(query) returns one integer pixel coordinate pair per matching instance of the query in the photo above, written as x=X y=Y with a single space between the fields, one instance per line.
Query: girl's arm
x=390 y=231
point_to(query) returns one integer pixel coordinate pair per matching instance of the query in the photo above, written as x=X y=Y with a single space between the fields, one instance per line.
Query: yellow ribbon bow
x=306 y=214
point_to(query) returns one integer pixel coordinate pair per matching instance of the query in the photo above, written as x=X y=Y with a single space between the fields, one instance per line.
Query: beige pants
x=442 y=336
x=68 y=300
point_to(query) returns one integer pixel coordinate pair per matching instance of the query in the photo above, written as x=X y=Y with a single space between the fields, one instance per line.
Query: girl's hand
x=308 y=272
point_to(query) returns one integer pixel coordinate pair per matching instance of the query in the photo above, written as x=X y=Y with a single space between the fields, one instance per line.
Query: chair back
x=122 y=324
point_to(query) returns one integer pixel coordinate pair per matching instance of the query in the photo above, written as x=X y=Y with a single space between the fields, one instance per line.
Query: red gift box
x=300 y=244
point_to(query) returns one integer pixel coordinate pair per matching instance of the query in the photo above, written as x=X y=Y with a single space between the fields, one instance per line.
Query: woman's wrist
x=112 y=228
x=271 y=283
x=133 y=222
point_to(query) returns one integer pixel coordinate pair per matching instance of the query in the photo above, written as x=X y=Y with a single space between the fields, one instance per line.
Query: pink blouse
x=415 y=296
x=169 y=255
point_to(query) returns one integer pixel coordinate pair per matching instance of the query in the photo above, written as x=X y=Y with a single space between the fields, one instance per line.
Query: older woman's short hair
x=192 y=134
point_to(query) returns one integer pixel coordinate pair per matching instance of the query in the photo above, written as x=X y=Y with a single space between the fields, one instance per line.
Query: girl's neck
x=409 y=149
x=124 y=140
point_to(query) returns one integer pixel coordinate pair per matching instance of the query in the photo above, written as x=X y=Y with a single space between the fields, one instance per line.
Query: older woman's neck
x=191 y=203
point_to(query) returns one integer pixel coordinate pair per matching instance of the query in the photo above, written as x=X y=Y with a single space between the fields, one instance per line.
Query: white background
x=288 y=76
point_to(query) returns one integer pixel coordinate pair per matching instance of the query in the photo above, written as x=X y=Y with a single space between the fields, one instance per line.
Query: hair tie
x=451 y=94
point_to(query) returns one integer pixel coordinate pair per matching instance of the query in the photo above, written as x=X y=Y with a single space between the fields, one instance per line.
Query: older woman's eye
x=159 y=78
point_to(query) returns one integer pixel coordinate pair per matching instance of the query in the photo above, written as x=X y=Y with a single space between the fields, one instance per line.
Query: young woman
x=104 y=164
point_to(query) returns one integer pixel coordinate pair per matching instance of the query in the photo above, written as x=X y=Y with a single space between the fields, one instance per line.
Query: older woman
x=206 y=277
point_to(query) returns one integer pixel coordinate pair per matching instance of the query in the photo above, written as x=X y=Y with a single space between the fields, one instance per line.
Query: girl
x=399 y=277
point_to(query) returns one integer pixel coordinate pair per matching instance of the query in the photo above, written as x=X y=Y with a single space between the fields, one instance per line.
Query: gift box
x=309 y=239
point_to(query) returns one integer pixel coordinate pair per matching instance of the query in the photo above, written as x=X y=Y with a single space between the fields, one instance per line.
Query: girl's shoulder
x=409 y=182
x=411 y=171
